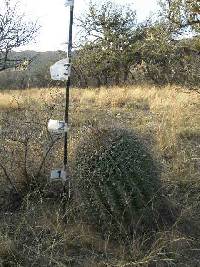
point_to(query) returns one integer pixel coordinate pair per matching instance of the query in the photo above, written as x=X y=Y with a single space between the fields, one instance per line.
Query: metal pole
x=66 y=117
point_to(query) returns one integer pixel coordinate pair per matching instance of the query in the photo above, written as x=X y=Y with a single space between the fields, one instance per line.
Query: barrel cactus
x=115 y=176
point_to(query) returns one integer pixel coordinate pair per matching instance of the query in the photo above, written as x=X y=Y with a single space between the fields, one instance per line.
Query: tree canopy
x=115 y=48
x=110 y=33
x=182 y=13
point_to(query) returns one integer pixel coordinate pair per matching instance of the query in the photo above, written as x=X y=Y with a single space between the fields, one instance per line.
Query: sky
x=53 y=18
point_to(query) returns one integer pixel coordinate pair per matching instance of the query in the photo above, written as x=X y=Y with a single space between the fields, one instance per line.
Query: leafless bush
x=27 y=151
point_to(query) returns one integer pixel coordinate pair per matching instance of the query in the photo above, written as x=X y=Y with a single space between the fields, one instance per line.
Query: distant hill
x=38 y=58
x=35 y=74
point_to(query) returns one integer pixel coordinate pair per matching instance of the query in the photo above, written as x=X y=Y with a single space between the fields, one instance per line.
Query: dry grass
x=168 y=114
x=169 y=121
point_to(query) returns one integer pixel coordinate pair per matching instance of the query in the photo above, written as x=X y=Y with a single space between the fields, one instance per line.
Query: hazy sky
x=53 y=17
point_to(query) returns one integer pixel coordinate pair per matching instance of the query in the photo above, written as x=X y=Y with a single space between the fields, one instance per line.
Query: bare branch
x=8 y=177
x=15 y=32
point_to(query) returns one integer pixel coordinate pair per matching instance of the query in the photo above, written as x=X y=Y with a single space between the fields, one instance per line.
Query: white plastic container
x=61 y=70
x=69 y=3
x=57 y=127
x=58 y=175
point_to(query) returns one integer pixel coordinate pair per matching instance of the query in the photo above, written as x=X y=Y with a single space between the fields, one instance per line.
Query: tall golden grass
x=170 y=113
x=169 y=119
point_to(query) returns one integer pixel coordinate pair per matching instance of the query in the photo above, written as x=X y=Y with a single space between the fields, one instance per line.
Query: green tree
x=116 y=49
x=182 y=13
x=168 y=59
x=110 y=35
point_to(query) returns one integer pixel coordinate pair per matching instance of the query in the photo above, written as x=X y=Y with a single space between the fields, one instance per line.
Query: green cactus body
x=115 y=175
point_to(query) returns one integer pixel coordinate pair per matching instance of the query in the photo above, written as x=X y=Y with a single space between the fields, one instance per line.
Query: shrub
x=116 y=178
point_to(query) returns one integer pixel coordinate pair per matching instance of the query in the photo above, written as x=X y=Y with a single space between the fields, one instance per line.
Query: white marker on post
x=57 y=127
x=61 y=70
x=69 y=3
x=58 y=175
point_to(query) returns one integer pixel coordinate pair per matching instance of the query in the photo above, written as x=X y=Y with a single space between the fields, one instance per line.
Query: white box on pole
x=69 y=3
x=61 y=70
x=57 y=127
x=58 y=175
